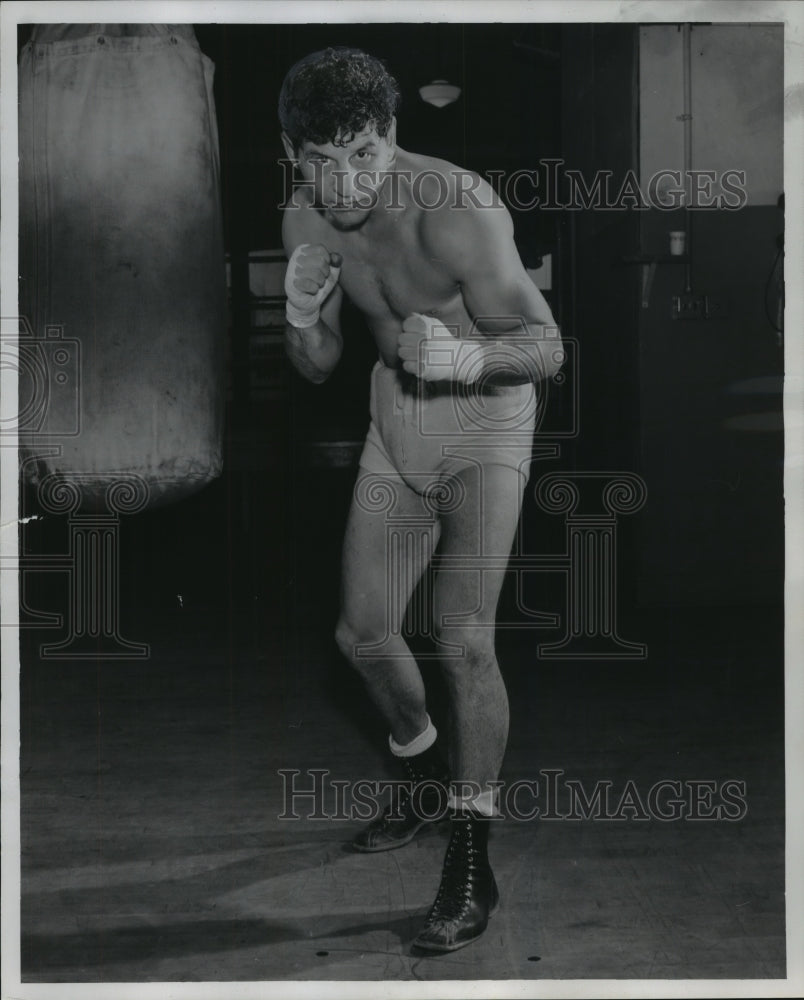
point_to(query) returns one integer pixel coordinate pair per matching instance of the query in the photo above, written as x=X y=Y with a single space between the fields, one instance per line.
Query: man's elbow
x=310 y=370
x=317 y=377
x=312 y=373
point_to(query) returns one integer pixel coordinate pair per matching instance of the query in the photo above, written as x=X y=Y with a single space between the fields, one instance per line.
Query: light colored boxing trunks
x=425 y=432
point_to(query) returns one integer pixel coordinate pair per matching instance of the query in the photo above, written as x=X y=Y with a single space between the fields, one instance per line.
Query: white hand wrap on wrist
x=302 y=308
x=299 y=318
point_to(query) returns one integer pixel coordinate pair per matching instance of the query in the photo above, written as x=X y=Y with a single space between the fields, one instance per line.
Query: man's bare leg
x=393 y=680
x=465 y=609
x=484 y=524
x=370 y=582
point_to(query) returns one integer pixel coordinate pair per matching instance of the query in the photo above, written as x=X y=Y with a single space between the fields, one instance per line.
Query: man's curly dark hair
x=332 y=95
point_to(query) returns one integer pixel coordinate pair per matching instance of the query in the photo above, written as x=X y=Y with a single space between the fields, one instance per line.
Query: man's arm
x=521 y=341
x=313 y=339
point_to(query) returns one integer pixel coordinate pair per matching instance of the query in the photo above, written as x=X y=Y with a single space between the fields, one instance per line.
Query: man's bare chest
x=391 y=275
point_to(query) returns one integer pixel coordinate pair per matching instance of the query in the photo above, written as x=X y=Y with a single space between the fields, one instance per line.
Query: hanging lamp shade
x=439 y=93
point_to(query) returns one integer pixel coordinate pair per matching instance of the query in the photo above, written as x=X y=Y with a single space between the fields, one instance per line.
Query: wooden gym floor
x=152 y=848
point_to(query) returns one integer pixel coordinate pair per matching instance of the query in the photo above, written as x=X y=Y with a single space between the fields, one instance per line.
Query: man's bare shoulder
x=460 y=213
x=437 y=184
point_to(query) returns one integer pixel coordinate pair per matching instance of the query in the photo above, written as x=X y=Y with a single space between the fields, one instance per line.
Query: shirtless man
x=463 y=336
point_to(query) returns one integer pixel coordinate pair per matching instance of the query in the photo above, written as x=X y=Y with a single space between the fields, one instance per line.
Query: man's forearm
x=313 y=351
x=515 y=359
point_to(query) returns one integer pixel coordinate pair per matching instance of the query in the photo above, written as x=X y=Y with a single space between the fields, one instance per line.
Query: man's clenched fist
x=311 y=275
x=430 y=351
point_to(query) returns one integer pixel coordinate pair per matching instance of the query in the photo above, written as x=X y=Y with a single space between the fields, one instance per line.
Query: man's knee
x=346 y=638
x=468 y=646
x=353 y=640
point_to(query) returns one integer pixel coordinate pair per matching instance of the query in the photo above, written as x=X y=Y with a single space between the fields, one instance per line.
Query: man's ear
x=390 y=137
x=289 y=150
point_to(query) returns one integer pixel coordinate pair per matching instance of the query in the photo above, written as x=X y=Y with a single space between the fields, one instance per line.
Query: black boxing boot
x=467 y=895
x=424 y=804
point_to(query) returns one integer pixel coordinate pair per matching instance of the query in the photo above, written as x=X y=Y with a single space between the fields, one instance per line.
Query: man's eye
x=364 y=155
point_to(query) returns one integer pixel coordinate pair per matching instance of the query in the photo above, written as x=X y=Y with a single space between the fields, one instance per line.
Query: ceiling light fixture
x=439 y=93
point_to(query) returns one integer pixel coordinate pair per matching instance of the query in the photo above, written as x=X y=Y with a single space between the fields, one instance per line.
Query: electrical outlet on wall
x=689 y=306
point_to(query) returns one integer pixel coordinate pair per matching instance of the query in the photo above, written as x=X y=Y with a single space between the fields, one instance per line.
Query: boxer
x=463 y=338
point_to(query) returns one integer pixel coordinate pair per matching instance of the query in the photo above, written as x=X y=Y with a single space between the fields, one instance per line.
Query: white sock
x=484 y=803
x=417 y=745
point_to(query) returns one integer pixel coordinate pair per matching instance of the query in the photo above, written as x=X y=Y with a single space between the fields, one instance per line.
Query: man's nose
x=345 y=184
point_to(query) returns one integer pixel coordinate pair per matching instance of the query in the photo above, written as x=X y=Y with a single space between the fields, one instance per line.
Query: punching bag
x=121 y=259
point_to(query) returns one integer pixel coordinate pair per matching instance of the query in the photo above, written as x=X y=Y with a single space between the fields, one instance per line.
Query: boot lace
x=455 y=890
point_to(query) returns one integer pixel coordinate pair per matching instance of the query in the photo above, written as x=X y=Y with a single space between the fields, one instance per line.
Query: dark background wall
x=665 y=399
x=655 y=396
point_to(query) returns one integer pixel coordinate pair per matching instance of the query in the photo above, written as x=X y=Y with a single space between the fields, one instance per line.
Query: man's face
x=347 y=178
